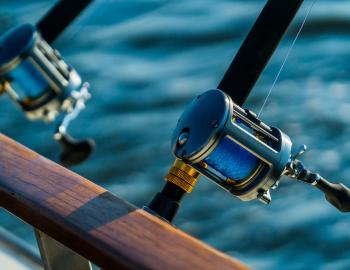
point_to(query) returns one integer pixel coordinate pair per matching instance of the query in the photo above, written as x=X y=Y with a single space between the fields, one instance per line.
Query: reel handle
x=336 y=194
x=74 y=151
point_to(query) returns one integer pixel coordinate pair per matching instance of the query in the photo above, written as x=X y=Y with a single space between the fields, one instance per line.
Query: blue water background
x=146 y=59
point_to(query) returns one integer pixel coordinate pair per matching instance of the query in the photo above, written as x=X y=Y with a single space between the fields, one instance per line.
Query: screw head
x=183 y=138
x=215 y=124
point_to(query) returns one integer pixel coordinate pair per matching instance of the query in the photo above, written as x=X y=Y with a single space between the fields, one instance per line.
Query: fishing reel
x=232 y=147
x=44 y=86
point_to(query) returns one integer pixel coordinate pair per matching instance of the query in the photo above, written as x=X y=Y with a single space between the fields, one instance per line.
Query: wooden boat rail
x=93 y=222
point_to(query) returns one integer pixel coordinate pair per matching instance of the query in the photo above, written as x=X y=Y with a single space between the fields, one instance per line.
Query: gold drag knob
x=3 y=86
x=182 y=175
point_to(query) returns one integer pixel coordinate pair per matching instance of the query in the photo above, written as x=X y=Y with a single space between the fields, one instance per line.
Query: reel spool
x=43 y=86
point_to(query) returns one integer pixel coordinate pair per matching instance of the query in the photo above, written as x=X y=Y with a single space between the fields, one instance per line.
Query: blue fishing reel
x=231 y=146
x=43 y=86
x=235 y=149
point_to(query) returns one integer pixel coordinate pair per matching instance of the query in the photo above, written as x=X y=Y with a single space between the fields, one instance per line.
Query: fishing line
x=287 y=56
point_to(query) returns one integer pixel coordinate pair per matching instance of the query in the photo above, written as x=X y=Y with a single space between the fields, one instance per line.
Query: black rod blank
x=258 y=47
x=59 y=17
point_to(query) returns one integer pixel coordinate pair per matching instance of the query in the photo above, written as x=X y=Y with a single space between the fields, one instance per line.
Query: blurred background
x=146 y=60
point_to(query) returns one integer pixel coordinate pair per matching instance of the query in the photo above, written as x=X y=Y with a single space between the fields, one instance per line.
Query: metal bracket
x=295 y=166
x=73 y=106
x=56 y=256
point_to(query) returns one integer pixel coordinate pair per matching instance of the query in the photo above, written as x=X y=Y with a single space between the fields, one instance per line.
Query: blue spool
x=28 y=82
x=232 y=160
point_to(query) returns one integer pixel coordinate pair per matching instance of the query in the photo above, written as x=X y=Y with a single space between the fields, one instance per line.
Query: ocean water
x=146 y=60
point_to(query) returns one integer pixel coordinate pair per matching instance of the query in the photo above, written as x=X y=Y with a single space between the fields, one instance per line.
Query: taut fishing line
x=287 y=56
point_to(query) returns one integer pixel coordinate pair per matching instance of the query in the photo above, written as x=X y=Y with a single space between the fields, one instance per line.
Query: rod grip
x=164 y=206
x=336 y=194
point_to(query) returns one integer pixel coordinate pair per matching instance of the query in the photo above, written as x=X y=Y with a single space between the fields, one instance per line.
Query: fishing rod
x=40 y=82
x=60 y=17
x=231 y=146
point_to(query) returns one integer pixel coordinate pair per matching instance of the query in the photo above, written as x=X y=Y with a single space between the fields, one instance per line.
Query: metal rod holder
x=56 y=256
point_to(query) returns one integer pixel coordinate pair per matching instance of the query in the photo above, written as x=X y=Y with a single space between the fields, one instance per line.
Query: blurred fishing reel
x=232 y=147
x=44 y=86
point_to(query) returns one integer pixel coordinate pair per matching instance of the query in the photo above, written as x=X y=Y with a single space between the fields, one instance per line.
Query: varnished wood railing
x=93 y=222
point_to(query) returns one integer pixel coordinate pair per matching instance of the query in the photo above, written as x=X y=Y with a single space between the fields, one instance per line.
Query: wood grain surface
x=93 y=222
